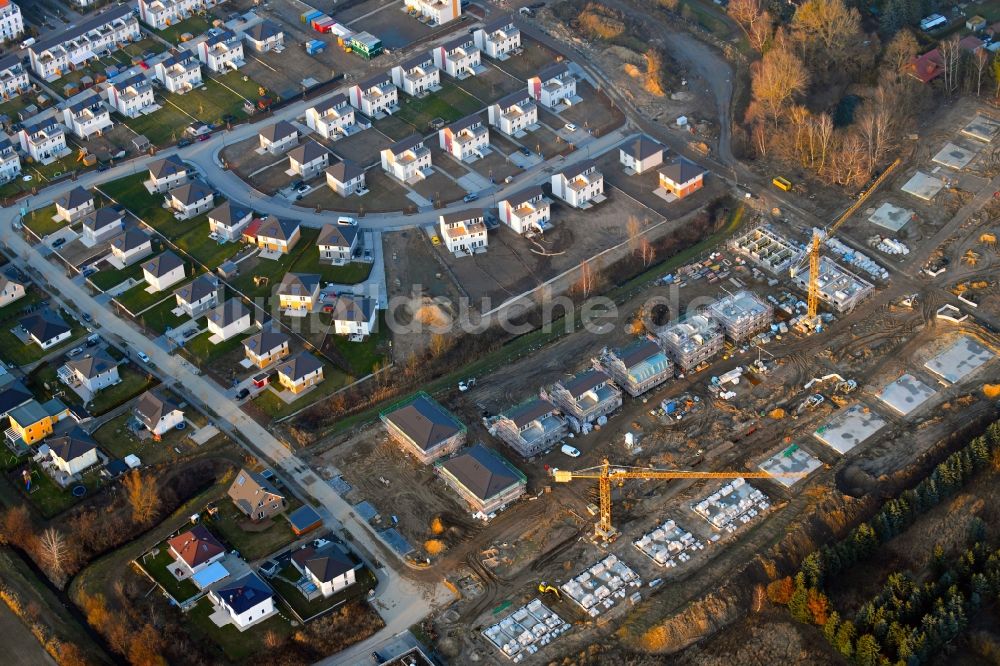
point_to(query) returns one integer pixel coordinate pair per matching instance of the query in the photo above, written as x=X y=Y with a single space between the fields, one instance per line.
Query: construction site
x=810 y=367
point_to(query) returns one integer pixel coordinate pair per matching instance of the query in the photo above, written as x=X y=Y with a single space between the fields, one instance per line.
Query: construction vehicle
x=545 y=588
x=782 y=183
x=605 y=474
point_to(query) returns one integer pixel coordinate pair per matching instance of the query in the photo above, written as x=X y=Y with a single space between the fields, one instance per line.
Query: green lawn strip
x=40 y=221
x=45 y=375
x=110 y=277
x=248 y=89
x=450 y=104
x=163 y=126
x=363 y=355
x=146 y=44
x=351 y=273
x=196 y=25
x=46 y=495
x=532 y=341
x=16 y=352
x=131 y=193
x=275 y=270
x=252 y=545
x=237 y=645
x=133 y=382
x=202 y=352
x=16 y=310
x=14 y=106
x=275 y=407
x=115 y=439
x=158 y=565
x=136 y=299
x=161 y=318
x=56 y=169
x=305 y=608
x=197 y=243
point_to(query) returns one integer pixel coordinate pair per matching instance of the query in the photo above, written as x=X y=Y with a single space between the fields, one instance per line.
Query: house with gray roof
x=421 y=426
x=73 y=452
x=300 y=372
x=266 y=347
x=46 y=328
x=228 y=320
x=346 y=178
x=131 y=246
x=482 y=477
x=681 y=177
x=265 y=36
x=336 y=243
x=102 y=224
x=228 y=220
x=158 y=415
x=640 y=155
x=255 y=496
x=198 y=296
x=308 y=159
x=190 y=200
x=638 y=367
x=163 y=271
x=74 y=205
x=94 y=371
x=353 y=315
x=531 y=428
x=586 y=396
x=278 y=138
x=166 y=174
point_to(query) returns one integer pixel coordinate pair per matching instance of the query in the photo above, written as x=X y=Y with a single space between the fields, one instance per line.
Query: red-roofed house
x=250 y=233
x=196 y=549
x=927 y=67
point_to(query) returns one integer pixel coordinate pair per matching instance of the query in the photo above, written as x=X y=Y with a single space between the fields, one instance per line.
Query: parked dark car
x=59 y=242
x=183 y=142
x=242 y=393
x=524 y=151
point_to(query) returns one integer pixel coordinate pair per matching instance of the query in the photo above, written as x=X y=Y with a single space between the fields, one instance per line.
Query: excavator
x=545 y=588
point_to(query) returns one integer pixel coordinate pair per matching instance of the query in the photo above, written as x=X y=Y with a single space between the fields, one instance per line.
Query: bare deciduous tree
x=898 y=54
x=777 y=78
x=586 y=284
x=829 y=25
x=754 y=20
x=951 y=58
x=646 y=252
x=54 y=551
x=980 y=60
x=634 y=229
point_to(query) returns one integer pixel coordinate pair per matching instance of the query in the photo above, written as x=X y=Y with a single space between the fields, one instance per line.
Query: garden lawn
x=269 y=402
x=16 y=352
x=363 y=355
x=196 y=25
x=110 y=277
x=45 y=373
x=137 y=299
x=252 y=545
x=40 y=221
x=274 y=270
x=47 y=496
x=451 y=103
x=157 y=567
x=237 y=645
x=115 y=439
x=15 y=310
x=162 y=127
x=160 y=318
x=132 y=194
x=202 y=352
x=207 y=251
x=352 y=273
x=307 y=609
x=133 y=382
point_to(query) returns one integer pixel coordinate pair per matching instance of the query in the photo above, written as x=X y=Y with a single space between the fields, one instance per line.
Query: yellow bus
x=782 y=183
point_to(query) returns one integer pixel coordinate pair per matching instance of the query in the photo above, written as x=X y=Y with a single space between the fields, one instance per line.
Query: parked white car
x=570 y=451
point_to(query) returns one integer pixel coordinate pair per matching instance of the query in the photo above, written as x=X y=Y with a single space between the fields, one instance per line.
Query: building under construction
x=766 y=248
x=531 y=428
x=692 y=341
x=637 y=367
x=839 y=288
x=742 y=314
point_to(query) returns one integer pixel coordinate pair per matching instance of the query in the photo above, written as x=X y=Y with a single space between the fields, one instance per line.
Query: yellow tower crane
x=813 y=299
x=605 y=474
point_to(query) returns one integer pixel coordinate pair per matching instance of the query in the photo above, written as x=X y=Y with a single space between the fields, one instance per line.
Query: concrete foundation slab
x=955 y=157
x=791 y=460
x=891 y=217
x=982 y=128
x=906 y=394
x=960 y=360
x=923 y=186
x=849 y=428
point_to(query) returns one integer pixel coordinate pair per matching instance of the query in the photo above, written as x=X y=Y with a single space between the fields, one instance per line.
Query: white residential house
x=463 y=231
x=228 y=221
x=46 y=328
x=54 y=56
x=131 y=246
x=94 y=371
x=417 y=76
x=13 y=77
x=346 y=178
x=222 y=51
x=132 y=96
x=498 y=38
x=640 y=155
x=179 y=73
x=247 y=601
x=458 y=58
x=190 y=200
x=328 y=567
x=279 y=137
x=74 y=452
x=525 y=211
x=228 y=320
x=163 y=271
x=10 y=161
x=10 y=291
x=11 y=21
x=513 y=113
x=160 y=14
x=376 y=97
x=43 y=140
x=436 y=12
x=336 y=243
x=166 y=174
x=467 y=139
x=74 y=205
x=331 y=119
x=265 y=36
x=157 y=415
x=554 y=86
x=580 y=185
x=406 y=160
x=198 y=296
x=309 y=159
x=101 y=225
x=87 y=116
x=354 y=315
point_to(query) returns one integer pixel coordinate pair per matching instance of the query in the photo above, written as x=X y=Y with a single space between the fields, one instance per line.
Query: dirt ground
x=439 y=189
x=242 y=158
x=385 y=195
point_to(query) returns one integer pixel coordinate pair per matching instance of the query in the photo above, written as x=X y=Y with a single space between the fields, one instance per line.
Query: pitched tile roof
x=131 y=239
x=245 y=593
x=353 y=308
x=681 y=170
x=345 y=171
x=274 y=227
x=299 y=366
x=337 y=235
x=190 y=193
x=483 y=472
x=102 y=218
x=199 y=288
x=75 y=198
x=72 y=445
x=230 y=311
x=45 y=325
x=279 y=130
x=267 y=340
x=93 y=365
x=168 y=166
x=424 y=421
x=196 y=546
x=298 y=284
x=307 y=152
x=150 y=408
x=162 y=264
